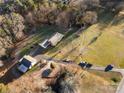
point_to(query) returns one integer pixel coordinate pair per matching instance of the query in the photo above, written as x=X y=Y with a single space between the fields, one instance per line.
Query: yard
x=97 y=44
x=44 y=32
x=112 y=77
x=100 y=44
x=108 y=49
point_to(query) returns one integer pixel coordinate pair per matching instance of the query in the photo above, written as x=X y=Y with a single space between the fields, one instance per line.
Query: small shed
x=57 y=37
x=46 y=73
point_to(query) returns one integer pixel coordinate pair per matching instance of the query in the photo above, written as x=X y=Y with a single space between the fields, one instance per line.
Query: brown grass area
x=32 y=82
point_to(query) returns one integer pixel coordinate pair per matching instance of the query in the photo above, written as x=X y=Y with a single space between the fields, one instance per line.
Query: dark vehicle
x=88 y=65
x=82 y=64
x=108 y=68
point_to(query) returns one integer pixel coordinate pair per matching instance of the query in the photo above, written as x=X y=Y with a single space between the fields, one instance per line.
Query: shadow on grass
x=105 y=18
x=13 y=74
x=118 y=20
x=10 y=75
x=43 y=32
x=94 y=39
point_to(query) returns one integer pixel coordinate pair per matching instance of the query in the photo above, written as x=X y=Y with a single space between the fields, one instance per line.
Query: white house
x=26 y=63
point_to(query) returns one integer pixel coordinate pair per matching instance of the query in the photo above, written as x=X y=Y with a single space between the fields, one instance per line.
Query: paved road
x=103 y=68
x=120 y=88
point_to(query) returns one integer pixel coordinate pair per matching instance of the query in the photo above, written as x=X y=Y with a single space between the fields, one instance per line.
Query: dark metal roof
x=46 y=73
x=26 y=62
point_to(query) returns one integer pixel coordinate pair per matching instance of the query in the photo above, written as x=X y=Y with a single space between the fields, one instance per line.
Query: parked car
x=45 y=43
x=108 y=68
x=82 y=64
x=89 y=65
x=26 y=63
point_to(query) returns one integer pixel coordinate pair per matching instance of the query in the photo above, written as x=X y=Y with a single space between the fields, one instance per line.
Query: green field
x=97 y=44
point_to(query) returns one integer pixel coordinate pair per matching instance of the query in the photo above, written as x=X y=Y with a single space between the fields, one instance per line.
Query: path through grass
x=108 y=48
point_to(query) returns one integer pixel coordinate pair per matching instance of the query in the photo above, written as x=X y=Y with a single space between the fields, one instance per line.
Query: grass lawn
x=112 y=77
x=108 y=49
x=95 y=45
x=3 y=88
x=100 y=44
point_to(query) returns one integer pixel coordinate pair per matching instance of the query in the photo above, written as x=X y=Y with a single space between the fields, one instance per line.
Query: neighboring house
x=57 y=37
x=53 y=41
x=26 y=63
